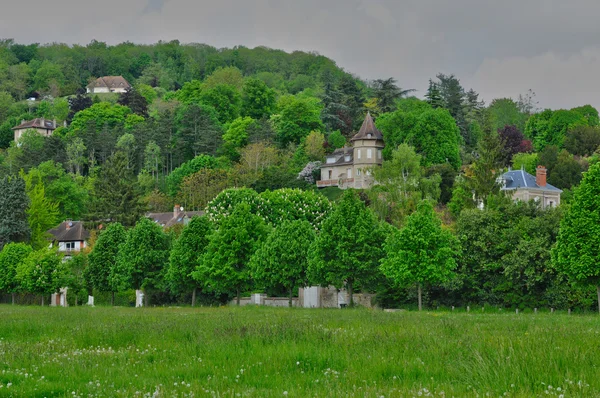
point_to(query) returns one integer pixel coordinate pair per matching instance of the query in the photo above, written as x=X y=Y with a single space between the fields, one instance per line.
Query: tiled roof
x=516 y=179
x=339 y=155
x=110 y=82
x=368 y=131
x=69 y=231
x=169 y=219
x=37 y=123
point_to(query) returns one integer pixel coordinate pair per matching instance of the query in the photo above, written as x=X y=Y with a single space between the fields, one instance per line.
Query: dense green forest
x=200 y=120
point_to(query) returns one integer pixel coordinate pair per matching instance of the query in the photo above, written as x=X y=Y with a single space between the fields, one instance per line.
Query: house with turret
x=350 y=167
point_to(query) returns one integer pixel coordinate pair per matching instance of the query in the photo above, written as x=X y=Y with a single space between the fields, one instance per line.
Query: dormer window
x=347 y=158
x=330 y=160
x=369 y=135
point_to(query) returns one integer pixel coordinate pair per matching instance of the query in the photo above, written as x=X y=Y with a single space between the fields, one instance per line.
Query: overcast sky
x=500 y=48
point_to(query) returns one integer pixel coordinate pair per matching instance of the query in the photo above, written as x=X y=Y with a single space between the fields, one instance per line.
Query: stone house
x=108 y=84
x=350 y=167
x=42 y=126
x=523 y=186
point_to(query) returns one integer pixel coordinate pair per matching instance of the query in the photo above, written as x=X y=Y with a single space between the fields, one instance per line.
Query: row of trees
x=507 y=254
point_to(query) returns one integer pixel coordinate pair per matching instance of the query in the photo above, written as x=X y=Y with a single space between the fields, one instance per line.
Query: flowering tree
x=308 y=172
x=288 y=204
x=226 y=202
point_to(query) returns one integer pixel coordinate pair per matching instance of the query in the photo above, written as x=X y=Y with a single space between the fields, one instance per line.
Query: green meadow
x=276 y=352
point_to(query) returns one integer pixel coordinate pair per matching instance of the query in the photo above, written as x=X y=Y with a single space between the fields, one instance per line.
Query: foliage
x=283 y=258
x=186 y=254
x=42 y=214
x=135 y=101
x=116 y=193
x=100 y=273
x=141 y=258
x=223 y=205
x=422 y=252
x=583 y=140
x=224 y=267
x=198 y=189
x=348 y=249
x=186 y=169
x=336 y=140
x=387 y=92
x=100 y=115
x=225 y=99
x=294 y=204
x=314 y=146
x=505 y=112
x=13 y=217
x=11 y=256
x=432 y=132
x=42 y=272
x=297 y=116
x=513 y=142
x=258 y=100
x=577 y=251
x=527 y=161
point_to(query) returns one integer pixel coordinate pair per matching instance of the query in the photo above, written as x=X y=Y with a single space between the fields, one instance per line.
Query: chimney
x=68 y=225
x=42 y=122
x=540 y=176
x=176 y=210
x=22 y=121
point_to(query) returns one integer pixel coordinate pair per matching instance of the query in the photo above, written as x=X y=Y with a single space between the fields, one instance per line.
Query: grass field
x=229 y=352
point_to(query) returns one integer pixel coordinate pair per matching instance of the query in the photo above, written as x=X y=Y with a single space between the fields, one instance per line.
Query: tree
x=13 y=217
x=186 y=256
x=117 y=196
x=288 y=204
x=513 y=142
x=42 y=272
x=566 y=173
x=76 y=155
x=100 y=115
x=236 y=136
x=198 y=189
x=483 y=179
x=102 y=260
x=336 y=140
x=199 y=130
x=11 y=256
x=258 y=100
x=314 y=146
x=283 y=259
x=224 y=267
x=583 y=140
x=42 y=214
x=505 y=112
x=188 y=168
x=297 y=116
x=387 y=92
x=348 y=249
x=434 y=96
x=78 y=103
x=225 y=99
x=422 y=252
x=141 y=258
x=577 y=250
x=135 y=101
x=231 y=76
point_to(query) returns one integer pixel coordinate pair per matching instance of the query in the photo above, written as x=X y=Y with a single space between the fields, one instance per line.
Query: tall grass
x=251 y=351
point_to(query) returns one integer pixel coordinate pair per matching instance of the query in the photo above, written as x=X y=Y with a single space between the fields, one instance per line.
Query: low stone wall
x=262 y=299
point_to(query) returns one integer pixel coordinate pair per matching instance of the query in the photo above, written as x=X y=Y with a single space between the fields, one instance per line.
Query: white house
x=69 y=237
x=108 y=84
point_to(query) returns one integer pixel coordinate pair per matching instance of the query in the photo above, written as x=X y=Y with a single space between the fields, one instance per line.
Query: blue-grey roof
x=521 y=179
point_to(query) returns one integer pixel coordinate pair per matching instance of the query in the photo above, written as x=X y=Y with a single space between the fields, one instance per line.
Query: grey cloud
x=500 y=48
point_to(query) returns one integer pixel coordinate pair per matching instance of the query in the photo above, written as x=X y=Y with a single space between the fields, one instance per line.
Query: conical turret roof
x=368 y=131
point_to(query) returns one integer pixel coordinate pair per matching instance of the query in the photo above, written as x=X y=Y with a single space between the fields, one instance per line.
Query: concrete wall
x=547 y=199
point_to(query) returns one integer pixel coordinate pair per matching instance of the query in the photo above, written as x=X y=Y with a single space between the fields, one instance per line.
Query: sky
x=498 y=48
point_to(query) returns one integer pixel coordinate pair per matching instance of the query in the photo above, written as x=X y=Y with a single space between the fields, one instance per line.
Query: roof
x=169 y=219
x=110 y=82
x=340 y=154
x=368 y=131
x=37 y=123
x=519 y=179
x=69 y=231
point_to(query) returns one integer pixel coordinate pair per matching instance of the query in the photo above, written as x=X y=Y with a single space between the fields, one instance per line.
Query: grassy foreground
x=229 y=352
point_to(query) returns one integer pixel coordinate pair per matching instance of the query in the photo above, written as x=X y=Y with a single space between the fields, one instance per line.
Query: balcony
x=335 y=183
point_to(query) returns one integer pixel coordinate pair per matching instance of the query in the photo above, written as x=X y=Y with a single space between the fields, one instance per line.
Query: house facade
x=350 y=167
x=108 y=84
x=523 y=186
x=42 y=126
x=69 y=237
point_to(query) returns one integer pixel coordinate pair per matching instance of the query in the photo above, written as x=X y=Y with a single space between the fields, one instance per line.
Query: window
x=369 y=135
x=349 y=173
x=70 y=245
x=330 y=160
x=357 y=172
x=379 y=154
x=347 y=158
x=368 y=172
x=329 y=175
x=358 y=153
x=369 y=153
